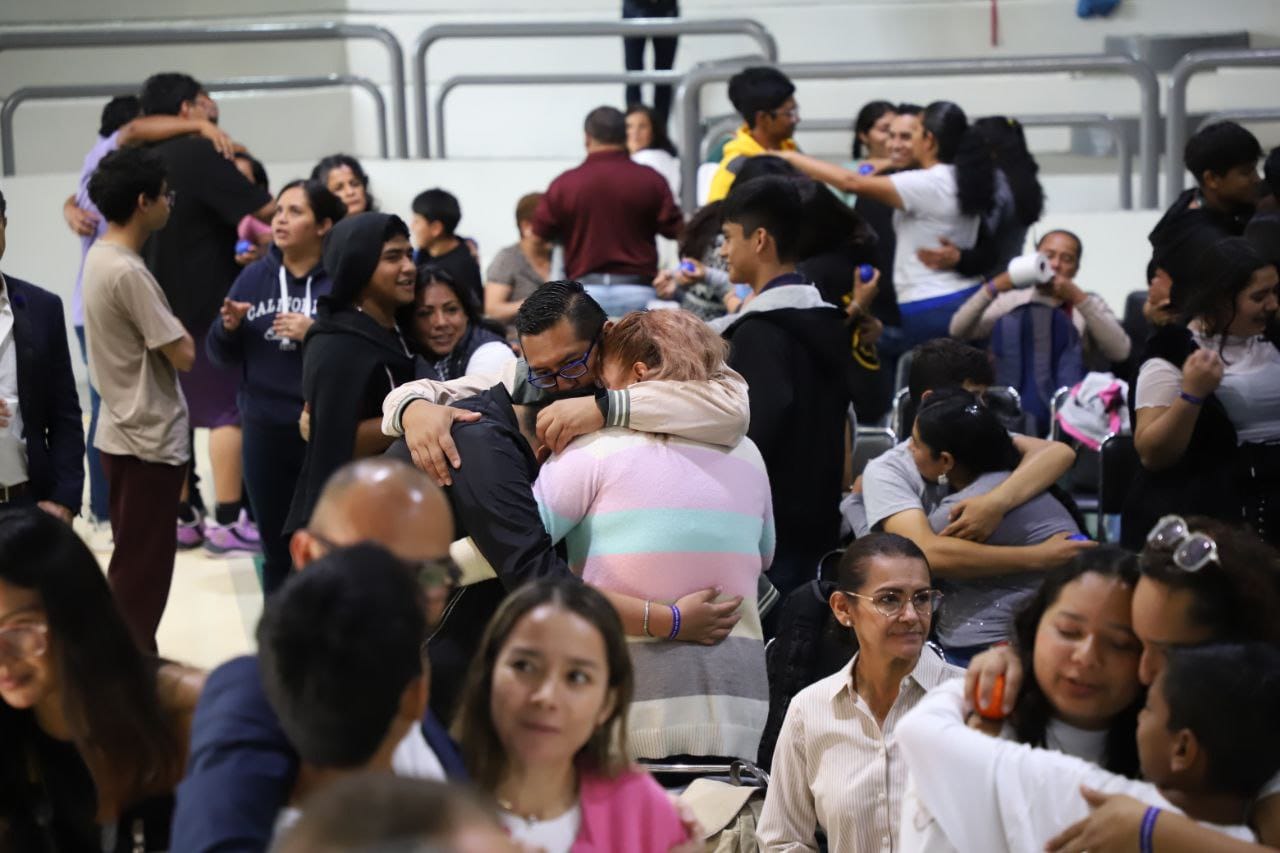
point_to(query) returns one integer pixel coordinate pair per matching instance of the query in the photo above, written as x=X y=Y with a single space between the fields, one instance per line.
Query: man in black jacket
x=41 y=430
x=794 y=350
x=1223 y=158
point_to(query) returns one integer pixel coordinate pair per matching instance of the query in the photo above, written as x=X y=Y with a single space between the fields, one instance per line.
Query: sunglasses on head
x=1191 y=551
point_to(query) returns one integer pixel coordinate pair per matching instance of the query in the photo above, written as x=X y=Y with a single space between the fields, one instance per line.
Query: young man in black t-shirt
x=194 y=260
x=436 y=215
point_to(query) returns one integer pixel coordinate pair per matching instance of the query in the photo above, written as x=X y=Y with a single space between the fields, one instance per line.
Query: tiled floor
x=214 y=602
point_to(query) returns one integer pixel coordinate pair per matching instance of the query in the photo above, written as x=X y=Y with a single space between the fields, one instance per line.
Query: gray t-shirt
x=980 y=610
x=891 y=483
x=511 y=267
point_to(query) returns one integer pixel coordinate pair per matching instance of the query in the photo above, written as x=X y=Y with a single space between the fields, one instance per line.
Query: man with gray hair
x=607 y=212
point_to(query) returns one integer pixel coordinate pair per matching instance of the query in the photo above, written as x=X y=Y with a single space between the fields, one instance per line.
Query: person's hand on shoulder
x=1111 y=827
x=974 y=519
x=427 y=428
x=82 y=222
x=564 y=420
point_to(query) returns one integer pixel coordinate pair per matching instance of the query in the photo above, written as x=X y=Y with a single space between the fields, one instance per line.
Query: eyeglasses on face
x=892 y=602
x=23 y=642
x=575 y=369
x=1191 y=551
x=438 y=573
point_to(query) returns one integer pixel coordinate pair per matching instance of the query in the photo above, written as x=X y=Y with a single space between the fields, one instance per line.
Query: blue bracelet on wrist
x=1147 y=831
x=1191 y=398
x=675 y=622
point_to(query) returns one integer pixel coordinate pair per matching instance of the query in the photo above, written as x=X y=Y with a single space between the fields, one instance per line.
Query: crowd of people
x=535 y=539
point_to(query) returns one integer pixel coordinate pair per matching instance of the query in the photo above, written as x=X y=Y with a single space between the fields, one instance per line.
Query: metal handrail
x=690 y=92
x=222 y=33
x=572 y=29
x=636 y=77
x=10 y=105
x=1175 y=132
x=1113 y=124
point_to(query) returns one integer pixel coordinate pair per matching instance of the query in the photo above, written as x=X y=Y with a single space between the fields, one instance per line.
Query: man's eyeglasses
x=1191 y=551
x=891 y=602
x=23 y=642
x=793 y=113
x=575 y=369
x=438 y=573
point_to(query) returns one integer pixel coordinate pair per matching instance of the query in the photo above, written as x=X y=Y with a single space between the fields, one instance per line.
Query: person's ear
x=948 y=461
x=608 y=324
x=1185 y=752
x=639 y=370
x=841 y=608
x=301 y=549
x=323 y=229
x=759 y=240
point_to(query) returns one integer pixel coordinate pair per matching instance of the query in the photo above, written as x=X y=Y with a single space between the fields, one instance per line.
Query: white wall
x=545 y=122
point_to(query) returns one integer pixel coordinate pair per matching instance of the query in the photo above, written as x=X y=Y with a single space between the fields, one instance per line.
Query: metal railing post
x=569 y=29
x=1175 y=132
x=669 y=77
x=247 y=84
x=220 y=33
x=690 y=93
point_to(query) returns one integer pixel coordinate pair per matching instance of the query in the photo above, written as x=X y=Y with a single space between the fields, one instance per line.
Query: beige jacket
x=715 y=412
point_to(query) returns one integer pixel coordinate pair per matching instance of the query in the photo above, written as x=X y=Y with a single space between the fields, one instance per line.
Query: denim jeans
x=619 y=299
x=930 y=318
x=97 y=478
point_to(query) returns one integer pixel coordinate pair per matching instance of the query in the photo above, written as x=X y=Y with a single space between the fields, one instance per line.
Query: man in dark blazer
x=41 y=429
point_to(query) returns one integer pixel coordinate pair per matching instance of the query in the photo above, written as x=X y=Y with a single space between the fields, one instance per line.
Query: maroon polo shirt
x=607 y=212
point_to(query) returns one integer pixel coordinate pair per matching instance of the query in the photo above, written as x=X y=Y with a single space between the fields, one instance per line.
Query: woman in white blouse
x=1207 y=402
x=943 y=199
x=649 y=145
x=837 y=768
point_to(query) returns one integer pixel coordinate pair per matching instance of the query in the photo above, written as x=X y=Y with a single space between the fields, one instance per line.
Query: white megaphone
x=1028 y=270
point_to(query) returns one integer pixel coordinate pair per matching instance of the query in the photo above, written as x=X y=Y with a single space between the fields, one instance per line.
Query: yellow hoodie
x=736 y=150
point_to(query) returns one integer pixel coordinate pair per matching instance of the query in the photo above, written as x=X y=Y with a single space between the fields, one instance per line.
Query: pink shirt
x=627 y=814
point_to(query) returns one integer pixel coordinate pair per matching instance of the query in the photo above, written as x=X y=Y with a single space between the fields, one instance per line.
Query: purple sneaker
x=190 y=533
x=239 y=539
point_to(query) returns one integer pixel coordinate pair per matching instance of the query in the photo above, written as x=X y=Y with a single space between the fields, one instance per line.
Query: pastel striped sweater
x=659 y=517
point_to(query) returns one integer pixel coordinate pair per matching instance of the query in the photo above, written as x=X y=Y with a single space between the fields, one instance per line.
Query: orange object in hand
x=993 y=711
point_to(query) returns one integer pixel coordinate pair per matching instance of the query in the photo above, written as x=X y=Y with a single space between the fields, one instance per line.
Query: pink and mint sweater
x=659 y=517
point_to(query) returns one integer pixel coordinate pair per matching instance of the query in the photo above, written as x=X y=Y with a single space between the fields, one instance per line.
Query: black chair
x=1117 y=466
x=868 y=443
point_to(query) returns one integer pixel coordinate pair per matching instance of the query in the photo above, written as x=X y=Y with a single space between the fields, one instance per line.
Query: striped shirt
x=835 y=769
x=658 y=517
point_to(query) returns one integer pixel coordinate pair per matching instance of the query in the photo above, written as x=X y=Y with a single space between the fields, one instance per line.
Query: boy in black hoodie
x=794 y=350
x=1223 y=158
x=354 y=354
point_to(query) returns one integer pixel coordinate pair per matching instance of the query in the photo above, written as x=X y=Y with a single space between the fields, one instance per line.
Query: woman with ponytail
x=944 y=199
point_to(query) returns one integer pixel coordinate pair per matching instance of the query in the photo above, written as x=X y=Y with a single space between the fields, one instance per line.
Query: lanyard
x=284 y=295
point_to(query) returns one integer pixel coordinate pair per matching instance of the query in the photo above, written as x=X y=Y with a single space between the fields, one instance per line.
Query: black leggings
x=273 y=457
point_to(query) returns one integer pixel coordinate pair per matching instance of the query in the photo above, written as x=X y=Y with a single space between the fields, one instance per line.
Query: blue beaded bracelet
x=1147 y=832
x=675 y=622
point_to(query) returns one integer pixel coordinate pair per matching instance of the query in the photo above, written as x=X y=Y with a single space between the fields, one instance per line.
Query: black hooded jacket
x=349 y=361
x=801 y=379
x=1184 y=232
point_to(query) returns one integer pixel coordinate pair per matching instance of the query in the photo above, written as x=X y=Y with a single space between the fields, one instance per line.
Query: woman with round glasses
x=1207 y=403
x=837 y=768
x=94 y=733
x=960 y=443
x=659 y=517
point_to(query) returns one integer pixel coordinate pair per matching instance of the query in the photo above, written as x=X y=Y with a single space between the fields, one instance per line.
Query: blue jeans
x=930 y=318
x=98 y=504
x=619 y=299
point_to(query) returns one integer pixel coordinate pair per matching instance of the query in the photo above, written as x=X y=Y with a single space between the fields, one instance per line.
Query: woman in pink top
x=543 y=727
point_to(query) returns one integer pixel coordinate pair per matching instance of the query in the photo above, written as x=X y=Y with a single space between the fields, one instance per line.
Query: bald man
x=241 y=767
